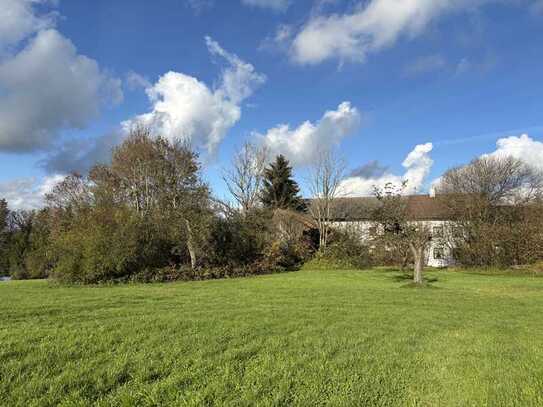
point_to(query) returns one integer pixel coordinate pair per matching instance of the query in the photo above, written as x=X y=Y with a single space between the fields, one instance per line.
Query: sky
x=404 y=89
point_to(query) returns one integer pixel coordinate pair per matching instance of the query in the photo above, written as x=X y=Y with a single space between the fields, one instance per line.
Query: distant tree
x=325 y=177
x=20 y=225
x=397 y=230
x=496 y=204
x=494 y=180
x=152 y=192
x=280 y=191
x=38 y=262
x=73 y=193
x=4 y=212
x=4 y=236
x=244 y=179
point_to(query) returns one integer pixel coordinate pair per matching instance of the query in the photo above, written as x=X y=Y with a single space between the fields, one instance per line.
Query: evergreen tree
x=280 y=190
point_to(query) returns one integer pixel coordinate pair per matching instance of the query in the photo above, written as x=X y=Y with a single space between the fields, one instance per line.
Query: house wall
x=439 y=252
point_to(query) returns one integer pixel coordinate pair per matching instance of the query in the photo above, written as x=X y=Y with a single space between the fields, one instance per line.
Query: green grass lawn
x=305 y=338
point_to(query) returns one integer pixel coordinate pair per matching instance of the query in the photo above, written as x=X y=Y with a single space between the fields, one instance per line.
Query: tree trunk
x=322 y=237
x=190 y=245
x=418 y=255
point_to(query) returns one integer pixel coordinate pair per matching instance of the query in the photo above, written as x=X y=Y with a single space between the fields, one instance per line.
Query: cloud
x=277 y=5
x=136 y=81
x=239 y=79
x=418 y=164
x=47 y=87
x=372 y=170
x=19 y=21
x=522 y=147
x=28 y=193
x=352 y=36
x=302 y=144
x=425 y=64
x=182 y=108
x=279 y=41
x=199 y=6
x=187 y=109
x=81 y=154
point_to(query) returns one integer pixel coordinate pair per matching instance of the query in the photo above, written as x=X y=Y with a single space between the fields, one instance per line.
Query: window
x=437 y=231
x=439 y=253
x=373 y=231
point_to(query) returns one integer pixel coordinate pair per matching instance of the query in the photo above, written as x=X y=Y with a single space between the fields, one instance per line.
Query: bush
x=108 y=244
x=185 y=273
x=345 y=250
x=238 y=240
x=285 y=255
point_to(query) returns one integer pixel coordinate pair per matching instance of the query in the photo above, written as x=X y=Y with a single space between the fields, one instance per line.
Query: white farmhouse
x=355 y=215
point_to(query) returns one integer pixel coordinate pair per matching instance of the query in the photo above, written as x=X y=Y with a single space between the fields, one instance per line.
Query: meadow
x=302 y=338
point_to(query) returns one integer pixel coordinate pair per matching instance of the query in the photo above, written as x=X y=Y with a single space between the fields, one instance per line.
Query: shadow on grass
x=408 y=278
x=424 y=286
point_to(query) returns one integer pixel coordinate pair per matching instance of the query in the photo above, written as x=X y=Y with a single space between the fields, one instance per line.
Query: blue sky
x=392 y=75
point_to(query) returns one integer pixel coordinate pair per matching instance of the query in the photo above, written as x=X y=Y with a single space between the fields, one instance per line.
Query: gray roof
x=419 y=207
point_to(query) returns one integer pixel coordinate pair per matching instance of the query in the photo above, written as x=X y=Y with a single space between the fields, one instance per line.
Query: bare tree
x=494 y=202
x=398 y=230
x=497 y=180
x=73 y=192
x=245 y=177
x=325 y=175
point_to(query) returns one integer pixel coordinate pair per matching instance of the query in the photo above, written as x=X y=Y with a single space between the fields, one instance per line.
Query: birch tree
x=244 y=179
x=325 y=176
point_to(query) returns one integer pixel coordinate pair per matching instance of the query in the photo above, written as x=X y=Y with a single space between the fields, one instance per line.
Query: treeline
x=149 y=216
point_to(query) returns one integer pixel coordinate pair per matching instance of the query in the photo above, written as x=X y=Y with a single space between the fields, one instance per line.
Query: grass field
x=305 y=338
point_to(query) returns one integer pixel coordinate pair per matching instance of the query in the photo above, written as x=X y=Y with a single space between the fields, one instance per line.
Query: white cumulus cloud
x=372 y=26
x=19 y=21
x=46 y=86
x=417 y=164
x=522 y=147
x=187 y=109
x=28 y=193
x=302 y=144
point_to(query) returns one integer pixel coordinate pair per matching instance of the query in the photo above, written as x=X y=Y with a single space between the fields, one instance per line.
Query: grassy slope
x=340 y=338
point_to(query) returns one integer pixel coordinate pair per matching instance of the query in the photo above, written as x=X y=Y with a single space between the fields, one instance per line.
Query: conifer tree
x=280 y=191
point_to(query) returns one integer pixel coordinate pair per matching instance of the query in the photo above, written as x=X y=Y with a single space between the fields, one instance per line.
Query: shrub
x=345 y=250
x=285 y=255
x=238 y=240
x=185 y=273
x=108 y=244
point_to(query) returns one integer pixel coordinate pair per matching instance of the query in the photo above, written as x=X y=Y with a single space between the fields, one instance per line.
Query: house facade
x=355 y=215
